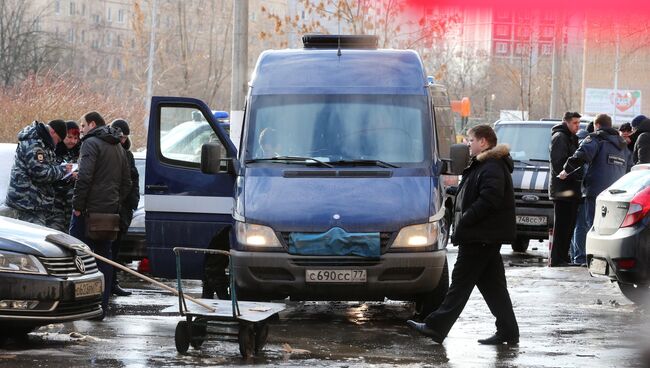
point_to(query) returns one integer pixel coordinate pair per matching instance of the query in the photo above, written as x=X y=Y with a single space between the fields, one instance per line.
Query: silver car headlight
x=20 y=263
x=416 y=236
x=253 y=235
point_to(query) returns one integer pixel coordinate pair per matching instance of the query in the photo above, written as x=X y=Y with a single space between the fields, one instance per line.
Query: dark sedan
x=43 y=283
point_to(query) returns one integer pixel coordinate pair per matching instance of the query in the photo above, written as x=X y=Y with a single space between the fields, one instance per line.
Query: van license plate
x=531 y=220
x=341 y=276
x=598 y=266
x=84 y=289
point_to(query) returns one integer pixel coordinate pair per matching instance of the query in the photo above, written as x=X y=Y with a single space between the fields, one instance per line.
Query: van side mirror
x=211 y=158
x=459 y=154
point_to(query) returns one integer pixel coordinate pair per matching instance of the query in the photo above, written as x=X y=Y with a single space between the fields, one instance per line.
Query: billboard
x=624 y=103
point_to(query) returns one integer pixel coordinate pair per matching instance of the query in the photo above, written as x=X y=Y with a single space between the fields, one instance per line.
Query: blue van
x=336 y=191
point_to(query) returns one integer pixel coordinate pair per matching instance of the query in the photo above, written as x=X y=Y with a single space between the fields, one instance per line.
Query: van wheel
x=428 y=302
x=639 y=294
x=520 y=245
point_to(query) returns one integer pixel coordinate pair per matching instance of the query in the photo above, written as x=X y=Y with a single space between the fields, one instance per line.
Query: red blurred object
x=144 y=266
x=626 y=264
x=639 y=208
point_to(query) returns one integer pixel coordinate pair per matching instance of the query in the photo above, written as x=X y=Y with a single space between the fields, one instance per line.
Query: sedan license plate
x=340 y=276
x=532 y=220
x=84 y=289
x=598 y=266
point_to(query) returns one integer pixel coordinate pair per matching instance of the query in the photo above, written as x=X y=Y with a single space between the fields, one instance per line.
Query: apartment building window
x=547 y=32
x=83 y=10
x=83 y=36
x=120 y=16
x=503 y=15
x=109 y=39
x=501 y=48
x=73 y=8
x=133 y=43
x=521 y=49
x=502 y=31
x=71 y=35
x=96 y=18
x=168 y=22
x=95 y=44
x=547 y=49
x=57 y=7
x=118 y=41
x=523 y=32
x=109 y=17
x=119 y=65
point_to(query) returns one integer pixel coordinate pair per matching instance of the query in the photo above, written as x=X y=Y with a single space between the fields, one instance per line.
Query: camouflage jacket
x=35 y=170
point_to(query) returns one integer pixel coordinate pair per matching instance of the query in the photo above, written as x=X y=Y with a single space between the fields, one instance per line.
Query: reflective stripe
x=541 y=179
x=527 y=179
x=188 y=204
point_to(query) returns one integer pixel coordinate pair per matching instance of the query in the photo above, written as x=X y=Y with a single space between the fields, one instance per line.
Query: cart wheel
x=246 y=340
x=261 y=334
x=182 y=337
x=199 y=331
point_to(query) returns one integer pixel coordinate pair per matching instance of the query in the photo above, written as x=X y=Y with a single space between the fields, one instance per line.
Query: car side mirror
x=211 y=158
x=459 y=154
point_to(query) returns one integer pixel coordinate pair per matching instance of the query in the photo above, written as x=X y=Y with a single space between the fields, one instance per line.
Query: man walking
x=102 y=184
x=565 y=194
x=35 y=170
x=484 y=219
x=608 y=157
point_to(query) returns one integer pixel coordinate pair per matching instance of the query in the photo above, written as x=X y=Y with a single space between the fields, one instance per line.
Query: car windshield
x=527 y=141
x=330 y=128
x=633 y=181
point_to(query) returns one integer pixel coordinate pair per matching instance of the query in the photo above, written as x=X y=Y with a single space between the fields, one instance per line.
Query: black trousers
x=477 y=265
x=565 y=213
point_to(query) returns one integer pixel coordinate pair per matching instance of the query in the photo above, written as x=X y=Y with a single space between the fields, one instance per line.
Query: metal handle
x=157 y=187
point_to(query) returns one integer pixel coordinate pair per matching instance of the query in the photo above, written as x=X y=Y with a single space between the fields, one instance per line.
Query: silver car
x=618 y=244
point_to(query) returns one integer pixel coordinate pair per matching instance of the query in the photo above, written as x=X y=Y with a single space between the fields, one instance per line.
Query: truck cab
x=335 y=192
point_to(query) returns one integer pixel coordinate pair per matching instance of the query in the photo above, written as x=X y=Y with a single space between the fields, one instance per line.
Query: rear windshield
x=633 y=182
x=526 y=141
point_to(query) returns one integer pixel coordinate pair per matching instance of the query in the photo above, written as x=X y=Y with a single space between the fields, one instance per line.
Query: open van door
x=184 y=207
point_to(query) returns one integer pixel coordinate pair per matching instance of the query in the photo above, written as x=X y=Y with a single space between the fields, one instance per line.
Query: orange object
x=463 y=107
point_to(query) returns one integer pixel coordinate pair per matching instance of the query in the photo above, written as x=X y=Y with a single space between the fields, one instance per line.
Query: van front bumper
x=398 y=276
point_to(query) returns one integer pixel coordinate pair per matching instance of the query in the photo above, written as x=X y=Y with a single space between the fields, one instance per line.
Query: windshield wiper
x=617 y=191
x=291 y=159
x=364 y=163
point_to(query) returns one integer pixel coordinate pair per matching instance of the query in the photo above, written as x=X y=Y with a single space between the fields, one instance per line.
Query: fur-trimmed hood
x=500 y=151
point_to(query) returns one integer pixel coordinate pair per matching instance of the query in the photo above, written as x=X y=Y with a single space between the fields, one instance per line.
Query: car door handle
x=157 y=187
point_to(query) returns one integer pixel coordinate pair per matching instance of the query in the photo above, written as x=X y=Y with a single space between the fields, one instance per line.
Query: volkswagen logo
x=336 y=216
x=80 y=264
x=530 y=198
x=603 y=211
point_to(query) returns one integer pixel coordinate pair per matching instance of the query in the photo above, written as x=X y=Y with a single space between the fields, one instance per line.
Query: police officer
x=608 y=157
x=35 y=170
x=66 y=151
x=484 y=219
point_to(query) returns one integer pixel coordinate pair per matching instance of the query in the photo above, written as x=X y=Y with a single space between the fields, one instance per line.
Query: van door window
x=183 y=131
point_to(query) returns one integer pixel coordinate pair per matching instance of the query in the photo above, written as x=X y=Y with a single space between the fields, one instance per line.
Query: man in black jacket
x=129 y=205
x=565 y=194
x=641 y=150
x=484 y=219
x=103 y=183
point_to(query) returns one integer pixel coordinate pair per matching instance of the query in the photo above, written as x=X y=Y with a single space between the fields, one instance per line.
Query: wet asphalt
x=566 y=319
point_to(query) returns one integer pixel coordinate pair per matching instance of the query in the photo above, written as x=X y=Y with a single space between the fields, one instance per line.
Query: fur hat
x=122 y=125
x=59 y=127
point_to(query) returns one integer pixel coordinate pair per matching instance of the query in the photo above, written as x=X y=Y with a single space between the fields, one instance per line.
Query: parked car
x=529 y=143
x=618 y=244
x=41 y=282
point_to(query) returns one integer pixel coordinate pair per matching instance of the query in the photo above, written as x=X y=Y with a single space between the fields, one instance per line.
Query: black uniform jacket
x=485 y=203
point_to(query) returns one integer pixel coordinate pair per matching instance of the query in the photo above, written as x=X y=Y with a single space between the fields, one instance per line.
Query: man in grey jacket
x=103 y=183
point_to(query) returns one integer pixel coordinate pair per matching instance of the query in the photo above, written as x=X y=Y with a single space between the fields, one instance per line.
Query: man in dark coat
x=103 y=183
x=641 y=151
x=608 y=157
x=565 y=194
x=484 y=219
x=129 y=205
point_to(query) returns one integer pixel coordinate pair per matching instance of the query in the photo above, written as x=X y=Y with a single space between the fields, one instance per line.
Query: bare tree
x=24 y=49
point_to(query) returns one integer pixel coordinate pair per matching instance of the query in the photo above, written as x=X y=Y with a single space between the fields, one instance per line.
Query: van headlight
x=417 y=236
x=20 y=263
x=253 y=235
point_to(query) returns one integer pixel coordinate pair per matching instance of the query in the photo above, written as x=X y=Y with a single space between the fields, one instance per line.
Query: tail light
x=626 y=264
x=639 y=208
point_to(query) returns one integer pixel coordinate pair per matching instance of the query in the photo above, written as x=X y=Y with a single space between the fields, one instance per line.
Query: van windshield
x=527 y=141
x=332 y=128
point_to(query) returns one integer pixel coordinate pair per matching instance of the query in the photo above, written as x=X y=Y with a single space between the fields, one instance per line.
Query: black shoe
x=117 y=290
x=425 y=330
x=499 y=340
